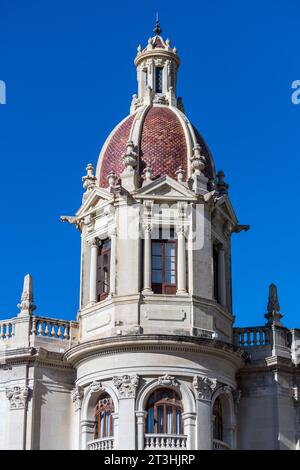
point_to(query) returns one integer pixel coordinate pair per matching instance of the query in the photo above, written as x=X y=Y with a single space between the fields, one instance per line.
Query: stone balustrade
x=220 y=445
x=7 y=329
x=106 y=443
x=165 y=441
x=50 y=328
x=252 y=336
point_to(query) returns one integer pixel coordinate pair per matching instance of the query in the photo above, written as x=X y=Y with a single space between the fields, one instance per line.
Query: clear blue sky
x=68 y=66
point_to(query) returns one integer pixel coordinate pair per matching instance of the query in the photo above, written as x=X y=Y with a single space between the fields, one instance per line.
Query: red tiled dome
x=163 y=146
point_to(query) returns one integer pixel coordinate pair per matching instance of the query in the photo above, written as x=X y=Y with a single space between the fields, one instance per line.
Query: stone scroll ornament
x=18 y=397
x=204 y=387
x=126 y=385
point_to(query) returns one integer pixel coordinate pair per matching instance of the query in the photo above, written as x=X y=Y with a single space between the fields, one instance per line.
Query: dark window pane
x=150 y=421
x=160 y=419
x=157 y=276
x=158 y=79
x=156 y=262
x=157 y=249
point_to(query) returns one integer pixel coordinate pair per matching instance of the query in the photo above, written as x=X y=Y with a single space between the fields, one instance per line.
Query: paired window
x=159 y=79
x=103 y=285
x=103 y=417
x=218 y=420
x=163 y=258
x=164 y=413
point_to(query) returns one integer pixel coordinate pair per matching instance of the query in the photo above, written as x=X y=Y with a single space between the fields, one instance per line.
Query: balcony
x=106 y=443
x=165 y=441
x=220 y=445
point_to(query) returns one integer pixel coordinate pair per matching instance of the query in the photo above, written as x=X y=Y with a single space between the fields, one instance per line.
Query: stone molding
x=18 y=397
x=126 y=385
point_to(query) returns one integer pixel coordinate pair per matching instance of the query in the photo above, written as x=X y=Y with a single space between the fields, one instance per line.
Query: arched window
x=164 y=410
x=217 y=420
x=103 y=417
x=103 y=285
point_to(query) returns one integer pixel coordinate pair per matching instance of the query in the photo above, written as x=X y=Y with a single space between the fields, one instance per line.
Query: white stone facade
x=130 y=341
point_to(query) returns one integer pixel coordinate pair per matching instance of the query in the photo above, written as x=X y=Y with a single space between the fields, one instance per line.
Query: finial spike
x=157 y=30
x=273 y=315
x=27 y=306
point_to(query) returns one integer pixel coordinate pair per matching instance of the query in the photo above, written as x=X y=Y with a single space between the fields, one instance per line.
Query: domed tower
x=155 y=363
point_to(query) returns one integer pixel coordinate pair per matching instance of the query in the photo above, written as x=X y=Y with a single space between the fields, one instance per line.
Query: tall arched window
x=218 y=420
x=164 y=413
x=103 y=417
x=103 y=285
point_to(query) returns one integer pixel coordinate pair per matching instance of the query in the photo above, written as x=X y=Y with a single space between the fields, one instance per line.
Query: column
x=87 y=433
x=16 y=418
x=140 y=418
x=181 y=261
x=126 y=386
x=113 y=242
x=76 y=396
x=189 y=429
x=93 y=271
x=222 y=277
x=204 y=388
x=147 y=259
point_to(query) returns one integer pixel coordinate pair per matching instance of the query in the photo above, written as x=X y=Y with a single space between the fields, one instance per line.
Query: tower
x=155 y=306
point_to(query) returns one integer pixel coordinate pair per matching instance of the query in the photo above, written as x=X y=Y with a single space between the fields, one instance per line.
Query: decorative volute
x=157 y=66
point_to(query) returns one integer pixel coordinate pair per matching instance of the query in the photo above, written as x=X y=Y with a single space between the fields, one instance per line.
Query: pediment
x=95 y=199
x=225 y=207
x=165 y=188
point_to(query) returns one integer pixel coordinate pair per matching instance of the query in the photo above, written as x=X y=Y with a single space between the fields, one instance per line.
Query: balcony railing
x=252 y=336
x=7 y=329
x=165 y=441
x=220 y=445
x=106 y=443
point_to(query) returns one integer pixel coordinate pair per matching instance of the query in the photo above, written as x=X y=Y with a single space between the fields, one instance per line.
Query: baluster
x=248 y=338
x=67 y=331
x=255 y=338
x=261 y=337
x=242 y=338
x=13 y=329
x=46 y=331
x=5 y=331
x=33 y=326
x=59 y=330
x=40 y=328
x=52 y=330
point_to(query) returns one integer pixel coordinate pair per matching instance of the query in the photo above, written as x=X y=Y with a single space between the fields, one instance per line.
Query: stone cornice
x=154 y=343
x=33 y=357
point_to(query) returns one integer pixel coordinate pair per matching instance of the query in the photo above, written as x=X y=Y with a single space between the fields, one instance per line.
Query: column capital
x=95 y=242
x=181 y=230
x=147 y=227
x=18 y=397
x=204 y=387
x=77 y=396
x=126 y=385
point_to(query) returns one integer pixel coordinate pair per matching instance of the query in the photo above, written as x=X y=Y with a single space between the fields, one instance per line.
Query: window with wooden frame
x=218 y=420
x=103 y=284
x=103 y=417
x=164 y=413
x=159 y=79
x=164 y=264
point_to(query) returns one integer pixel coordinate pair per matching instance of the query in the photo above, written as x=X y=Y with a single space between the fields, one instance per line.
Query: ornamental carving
x=96 y=387
x=17 y=396
x=77 y=395
x=167 y=381
x=126 y=385
x=204 y=387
